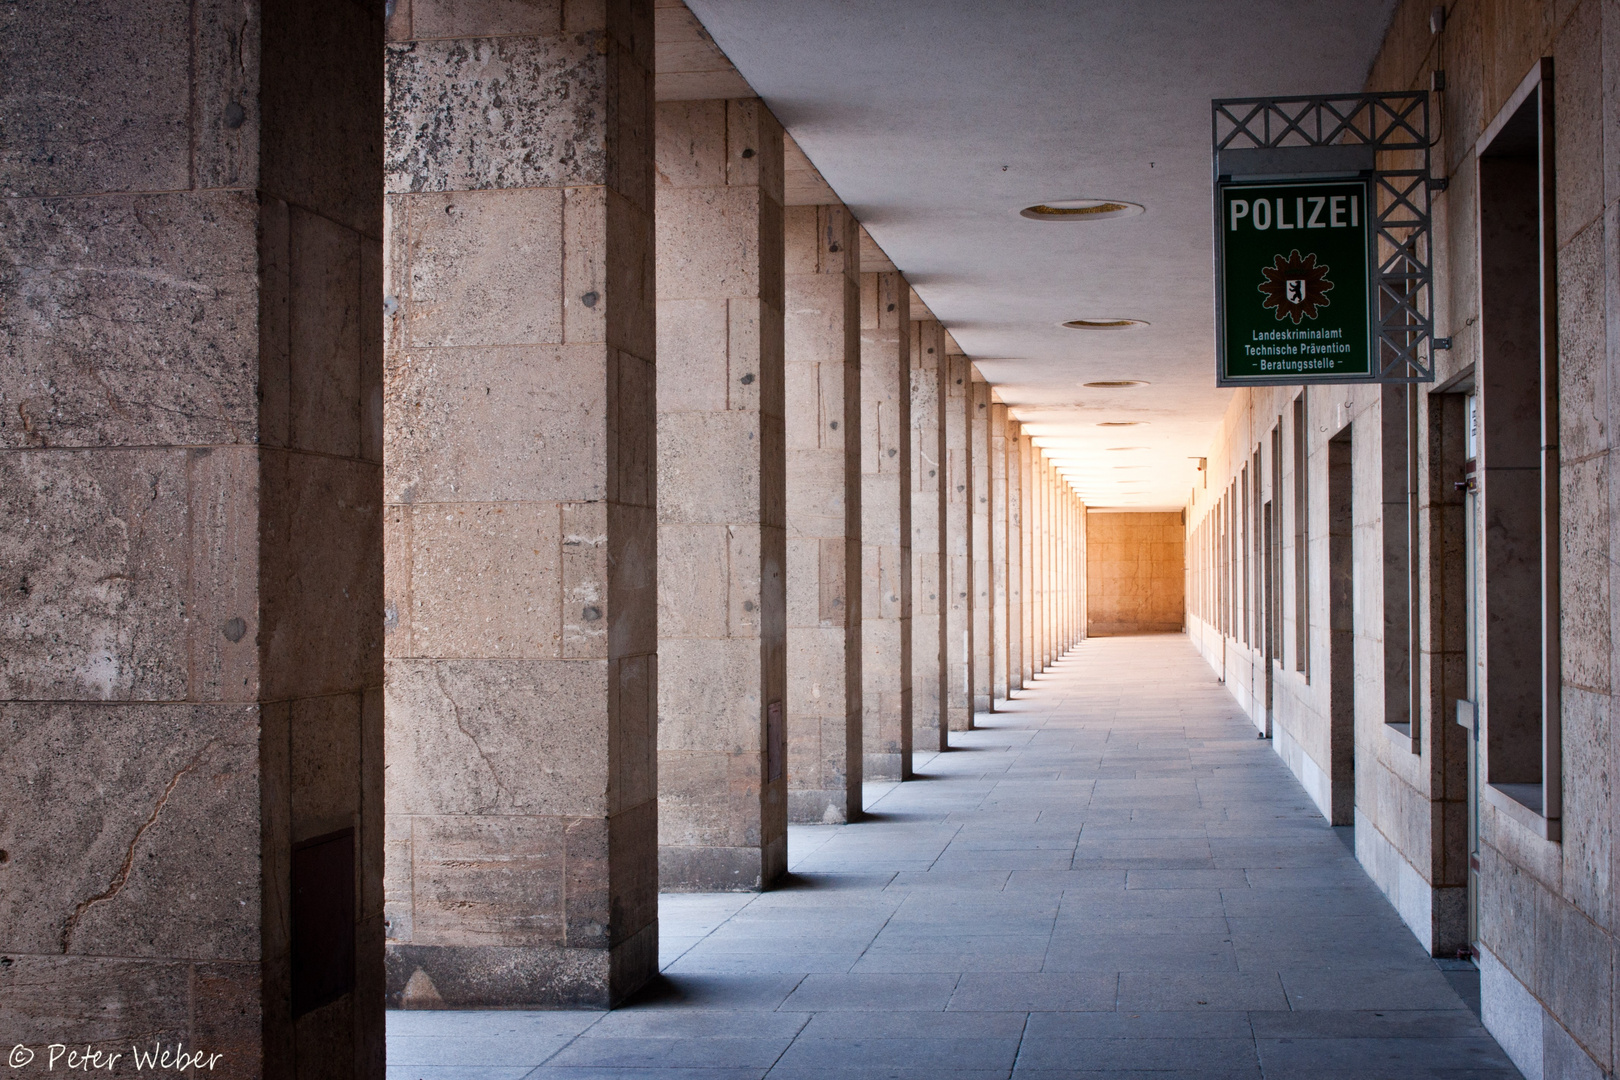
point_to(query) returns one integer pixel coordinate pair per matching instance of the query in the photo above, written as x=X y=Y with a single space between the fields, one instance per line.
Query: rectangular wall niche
x=1518 y=392
x=322 y=920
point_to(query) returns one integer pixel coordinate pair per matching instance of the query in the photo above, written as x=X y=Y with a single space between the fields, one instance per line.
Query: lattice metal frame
x=1395 y=126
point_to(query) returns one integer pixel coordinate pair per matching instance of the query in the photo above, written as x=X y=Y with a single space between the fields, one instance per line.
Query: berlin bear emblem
x=1295 y=287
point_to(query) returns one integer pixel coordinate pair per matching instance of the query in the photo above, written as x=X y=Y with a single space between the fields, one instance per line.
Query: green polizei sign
x=1293 y=291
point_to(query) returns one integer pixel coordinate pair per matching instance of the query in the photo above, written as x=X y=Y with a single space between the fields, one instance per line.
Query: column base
x=519 y=977
x=818 y=807
x=887 y=767
x=721 y=869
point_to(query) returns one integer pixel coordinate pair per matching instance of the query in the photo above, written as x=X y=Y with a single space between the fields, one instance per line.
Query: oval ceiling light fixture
x=1081 y=210
x=1115 y=384
x=1106 y=324
x=1122 y=423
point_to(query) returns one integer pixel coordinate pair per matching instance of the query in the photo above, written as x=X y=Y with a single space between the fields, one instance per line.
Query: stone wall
x=1134 y=573
x=1545 y=887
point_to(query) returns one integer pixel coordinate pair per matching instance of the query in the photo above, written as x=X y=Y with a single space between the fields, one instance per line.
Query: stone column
x=1027 y=456
x=929 y=573
x=1015 y=557
x=1037 y=564
x=722 y=604
x=1067 y=636
x=998 y=552
x=191 y=480
x=1044 y=559
x=521 y=551
x=1055 y=575
x=980 y=493
x=886 y=525
x=822 y=330
x=959 y=543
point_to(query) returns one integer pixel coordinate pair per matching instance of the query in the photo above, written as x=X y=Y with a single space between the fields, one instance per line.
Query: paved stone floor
x=1113 y=878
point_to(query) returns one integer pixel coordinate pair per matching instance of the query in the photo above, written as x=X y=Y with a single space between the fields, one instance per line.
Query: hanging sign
x=1293 y=293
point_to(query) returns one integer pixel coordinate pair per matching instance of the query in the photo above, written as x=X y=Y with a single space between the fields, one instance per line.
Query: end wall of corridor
x=1134 y=572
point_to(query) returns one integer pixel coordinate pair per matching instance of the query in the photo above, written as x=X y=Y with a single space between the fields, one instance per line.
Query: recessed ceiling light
x=1081 y=210
x=1123 y=423
x=1117 y=448
x=1130 y=466
x=1105 y=324
x=1115 y=384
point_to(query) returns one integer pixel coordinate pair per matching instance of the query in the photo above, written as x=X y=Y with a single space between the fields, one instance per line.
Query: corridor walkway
x=1113 y=878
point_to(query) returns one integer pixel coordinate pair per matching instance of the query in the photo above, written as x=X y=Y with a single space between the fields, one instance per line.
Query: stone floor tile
x=1382 y=1059
x=488 y=1050
x=629 y=1052
x=1205 y=1056
x=1219 y=991
x=1205 y=1024
x=1381 y=1024
x=1190 y=878
x=698 y=1024
x=1123 y=824
x=697 y=991
x=637 y=1072
x=1045 y=991
x=456 y=1072
x=1423 y=988
x=1130 y=954
x=493 y=1025
x=882 y=992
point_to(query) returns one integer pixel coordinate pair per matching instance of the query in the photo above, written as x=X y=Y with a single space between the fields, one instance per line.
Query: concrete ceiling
x=937 y=121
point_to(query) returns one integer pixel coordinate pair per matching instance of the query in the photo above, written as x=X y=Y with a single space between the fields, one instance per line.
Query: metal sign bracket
x=1384 y=137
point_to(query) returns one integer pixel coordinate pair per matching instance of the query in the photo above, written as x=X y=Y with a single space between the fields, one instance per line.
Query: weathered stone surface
x=129 y=583
x=113 y=810
x=485 y=581
x=483 y=267
x=708 y=466
x=475 y=113
x=127 y=74
x=324 y=758
x=324 y=386
x=436 y=977
x=129 y=321
x=485 y=18
x=103 y=1001
x=484 y=425
x=488 y=880
x=497 y=736
x=319 y=602
x=1583 y=365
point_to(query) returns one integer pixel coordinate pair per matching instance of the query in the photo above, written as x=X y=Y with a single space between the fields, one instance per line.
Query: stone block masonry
x=520 y=485
x=722 y=618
